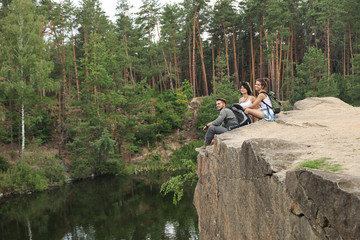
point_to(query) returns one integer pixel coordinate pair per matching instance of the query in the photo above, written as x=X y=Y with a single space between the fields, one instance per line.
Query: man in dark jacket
x=222 y=123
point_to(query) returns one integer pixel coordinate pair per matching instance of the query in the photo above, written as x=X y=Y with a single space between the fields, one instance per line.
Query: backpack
x=276 y=104
x=241 y=116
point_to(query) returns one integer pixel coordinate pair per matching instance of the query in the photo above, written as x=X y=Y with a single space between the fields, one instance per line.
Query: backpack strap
x=264 y=101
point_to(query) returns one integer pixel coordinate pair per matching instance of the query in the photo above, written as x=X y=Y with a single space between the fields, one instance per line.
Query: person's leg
x=210 y=133
x=254 y=112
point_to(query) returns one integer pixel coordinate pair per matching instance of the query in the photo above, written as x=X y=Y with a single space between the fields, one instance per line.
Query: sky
x=109 y=6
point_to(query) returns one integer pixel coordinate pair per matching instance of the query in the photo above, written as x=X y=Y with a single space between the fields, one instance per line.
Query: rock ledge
x=248 y=187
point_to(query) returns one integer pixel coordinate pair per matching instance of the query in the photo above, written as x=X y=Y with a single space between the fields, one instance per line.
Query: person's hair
x=246 y=85
x=221 y=99
x=263 y=82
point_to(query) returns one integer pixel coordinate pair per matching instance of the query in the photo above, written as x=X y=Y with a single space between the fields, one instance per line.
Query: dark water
x=103 y=208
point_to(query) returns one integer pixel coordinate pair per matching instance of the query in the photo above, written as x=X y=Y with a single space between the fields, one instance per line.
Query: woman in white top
x=265 y=111
x=247 y=99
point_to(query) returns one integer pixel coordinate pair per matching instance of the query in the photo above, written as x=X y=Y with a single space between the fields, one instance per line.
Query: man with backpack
x=223 y=123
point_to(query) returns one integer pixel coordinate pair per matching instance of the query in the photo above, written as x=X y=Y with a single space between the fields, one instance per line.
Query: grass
x=321 y=164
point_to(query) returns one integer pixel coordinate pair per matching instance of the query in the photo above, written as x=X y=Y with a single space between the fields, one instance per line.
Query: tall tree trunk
x=75 y=67
x=218 y=55
x=262 y=67
x=193 y=57
x=252 y=82
x=243 y=74
x=213 y=64
x=295 y=45
x=344 y=56
x=22 y=129
x=272 y=70
x=237 y=83
x=63 y=61
x=279 y=64
x=22 y=115
x=350 y=43
x=205 y=86
x=226 y=51
x=166 y=64
x=86 y=59
x=127 y=57
x=176 y=68
x=288 y=61
x=189 y=47
x=270 y=62
x=11 y=126
x=328 y=45
x=276 y=80
x=292 y=59
x=151 y=58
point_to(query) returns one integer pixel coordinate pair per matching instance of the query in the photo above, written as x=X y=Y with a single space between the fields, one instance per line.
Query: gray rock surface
x=248 y=187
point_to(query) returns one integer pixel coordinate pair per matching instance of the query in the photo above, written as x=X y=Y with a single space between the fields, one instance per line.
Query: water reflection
x=104 y=208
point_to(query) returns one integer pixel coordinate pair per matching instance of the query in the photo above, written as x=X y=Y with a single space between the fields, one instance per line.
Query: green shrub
x=81 y=169
x=184 y=158
x=111 y=167
x=54 y=170
x=24 y=178
x=186 y=152
x=4 y=164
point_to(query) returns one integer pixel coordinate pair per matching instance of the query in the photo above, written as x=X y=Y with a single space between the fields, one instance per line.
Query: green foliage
x=53 y=170
x=35 y=174
x=4 y=164
x=208 y=112
x=186 y=152
x=353 y=88
x=183 y=158
x=23 y=177
x=321 y=164
x=113 y=166
x=81 y=168
x=310 y=72
x=39 y=124
x=177 y=184
x=104 y=146
x=94 y=158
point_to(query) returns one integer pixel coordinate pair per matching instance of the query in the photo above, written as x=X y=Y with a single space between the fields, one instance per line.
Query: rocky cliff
x=248 y=187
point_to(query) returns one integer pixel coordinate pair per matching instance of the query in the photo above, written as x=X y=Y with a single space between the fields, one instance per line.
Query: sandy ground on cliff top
x=326 y=127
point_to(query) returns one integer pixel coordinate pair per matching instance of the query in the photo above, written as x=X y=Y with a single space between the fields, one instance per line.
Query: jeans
x=210 y=133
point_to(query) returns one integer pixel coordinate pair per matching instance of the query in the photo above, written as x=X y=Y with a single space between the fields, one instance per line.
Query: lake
x=101 y=208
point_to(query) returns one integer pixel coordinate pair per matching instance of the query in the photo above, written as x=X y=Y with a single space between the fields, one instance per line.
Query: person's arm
x=207 y=125
x=220 y=119
x=257 y=101
x=253 y=99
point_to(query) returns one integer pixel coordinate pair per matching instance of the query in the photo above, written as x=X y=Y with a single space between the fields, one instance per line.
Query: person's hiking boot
x=201 y=149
